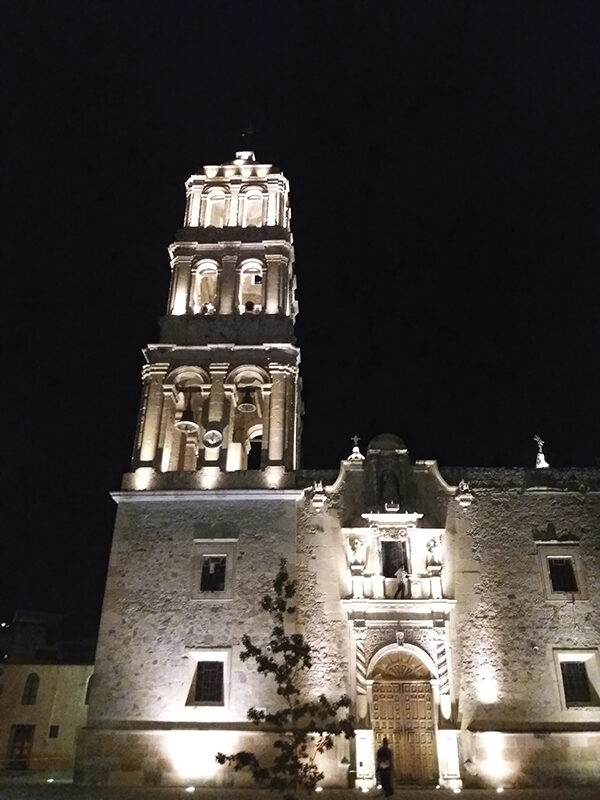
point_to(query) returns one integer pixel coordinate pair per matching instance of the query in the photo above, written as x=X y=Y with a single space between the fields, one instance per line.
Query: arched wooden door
x=403 y=712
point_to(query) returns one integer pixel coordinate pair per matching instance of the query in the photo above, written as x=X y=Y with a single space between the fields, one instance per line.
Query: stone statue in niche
x=434 y=553
x=389 y=490
x=358 y=552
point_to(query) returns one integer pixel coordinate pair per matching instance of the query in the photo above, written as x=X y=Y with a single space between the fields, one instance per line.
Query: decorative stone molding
x=319 y=497
x=463 y=495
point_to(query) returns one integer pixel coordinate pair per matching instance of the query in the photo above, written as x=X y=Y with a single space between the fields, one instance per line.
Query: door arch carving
x=401 y=682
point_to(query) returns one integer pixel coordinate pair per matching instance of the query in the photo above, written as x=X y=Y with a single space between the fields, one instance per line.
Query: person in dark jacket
x=384 y=767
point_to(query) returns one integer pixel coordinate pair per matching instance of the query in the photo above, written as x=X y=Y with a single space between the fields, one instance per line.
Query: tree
x=306 y=728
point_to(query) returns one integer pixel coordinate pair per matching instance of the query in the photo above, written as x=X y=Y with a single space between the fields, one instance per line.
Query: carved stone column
x=443 y=673
x=362 y=708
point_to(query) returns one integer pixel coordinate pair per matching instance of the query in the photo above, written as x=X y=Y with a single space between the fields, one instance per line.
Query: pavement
x=57 y=789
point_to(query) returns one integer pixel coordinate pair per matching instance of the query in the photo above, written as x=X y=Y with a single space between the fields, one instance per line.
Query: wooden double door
x=403 y=713
x=20 y=745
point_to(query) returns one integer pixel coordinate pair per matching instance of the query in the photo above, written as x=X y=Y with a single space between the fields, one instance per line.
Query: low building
x=43 y=693
x=42 y=707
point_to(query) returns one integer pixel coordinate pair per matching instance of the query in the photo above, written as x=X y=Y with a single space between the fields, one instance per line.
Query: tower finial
x=355 y=455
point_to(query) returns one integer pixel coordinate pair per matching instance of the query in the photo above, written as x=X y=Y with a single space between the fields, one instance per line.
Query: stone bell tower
x=221 y=392
x=209 y=507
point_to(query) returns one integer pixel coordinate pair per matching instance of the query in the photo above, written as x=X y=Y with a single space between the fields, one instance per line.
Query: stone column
x=152 y=375
x=275 y=268
x=362 y=708
x=216 y=406
x=439 y=631
x=228 y=289
x=165 y=436
x=181 y=285
x=277 y=414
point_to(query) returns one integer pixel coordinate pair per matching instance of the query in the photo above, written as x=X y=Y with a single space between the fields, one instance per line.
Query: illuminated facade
x=459 y=609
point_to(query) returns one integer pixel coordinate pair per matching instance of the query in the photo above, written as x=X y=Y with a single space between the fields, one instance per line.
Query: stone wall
x=506 y=631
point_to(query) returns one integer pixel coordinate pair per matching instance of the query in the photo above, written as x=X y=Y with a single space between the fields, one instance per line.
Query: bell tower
x=221 y=392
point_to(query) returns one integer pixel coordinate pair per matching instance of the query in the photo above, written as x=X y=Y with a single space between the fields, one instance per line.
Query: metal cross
x=540 y=442
x=355 y=439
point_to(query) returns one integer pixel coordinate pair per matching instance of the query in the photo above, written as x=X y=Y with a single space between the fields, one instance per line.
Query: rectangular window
x=562 y=574
x=212 y=577
x=213 y=569
x=562 y=571
x=53 y=732
x=393 y=556
x=578 y=673
x=209 y=683
x=209 y=680
x=575 y=682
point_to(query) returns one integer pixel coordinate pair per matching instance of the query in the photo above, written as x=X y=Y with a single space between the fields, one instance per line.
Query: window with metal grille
x=562 y=574
x=575 y=682
x=30 y=691
x=212 y=576
x=209 y=682
x=53 y=732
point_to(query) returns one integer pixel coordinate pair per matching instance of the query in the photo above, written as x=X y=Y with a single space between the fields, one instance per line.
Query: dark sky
x=444 y=160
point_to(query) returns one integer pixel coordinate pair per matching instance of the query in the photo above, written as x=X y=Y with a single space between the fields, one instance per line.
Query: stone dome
x=387 y=442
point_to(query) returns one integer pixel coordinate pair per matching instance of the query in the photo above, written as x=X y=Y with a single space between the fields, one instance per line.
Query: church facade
x=458 y=608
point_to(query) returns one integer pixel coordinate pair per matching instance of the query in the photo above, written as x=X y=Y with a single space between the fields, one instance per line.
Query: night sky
x=444 y=161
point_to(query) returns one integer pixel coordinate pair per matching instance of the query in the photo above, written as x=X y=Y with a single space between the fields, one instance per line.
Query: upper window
x=562 y=574
x=393 y=556
x=562 y=571
x=213 y=569
x=251 y=288
x=215 y=209
x=30 y=691
x=212 y=576
x=253 y=209
x=579 y=677
x=205 y=289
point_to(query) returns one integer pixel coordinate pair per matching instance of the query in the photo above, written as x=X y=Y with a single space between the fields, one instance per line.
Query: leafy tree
x=305 y=727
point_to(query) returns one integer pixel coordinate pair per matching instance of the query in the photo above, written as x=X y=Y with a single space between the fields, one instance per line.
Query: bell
x=246 y=404
x=187 y=424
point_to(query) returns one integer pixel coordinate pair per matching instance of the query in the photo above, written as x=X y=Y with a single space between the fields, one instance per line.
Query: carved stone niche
x=400 y=666
x=357 y=551
x=390 y=485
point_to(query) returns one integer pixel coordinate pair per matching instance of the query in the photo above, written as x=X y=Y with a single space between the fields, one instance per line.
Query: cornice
x=192 y=495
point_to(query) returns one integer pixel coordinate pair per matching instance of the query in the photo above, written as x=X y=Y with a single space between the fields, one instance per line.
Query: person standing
x=384 y=767
x=402 y=577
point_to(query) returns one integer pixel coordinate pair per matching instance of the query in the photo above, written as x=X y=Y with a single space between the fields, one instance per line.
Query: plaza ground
x=22 y=789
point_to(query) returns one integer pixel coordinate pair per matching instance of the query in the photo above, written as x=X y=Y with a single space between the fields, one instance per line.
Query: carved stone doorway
x=403 y=711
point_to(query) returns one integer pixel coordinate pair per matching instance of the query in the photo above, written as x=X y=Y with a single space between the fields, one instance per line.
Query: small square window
x=562 y=574
x=53 y=732
x=212 y=576
x=209 y=683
